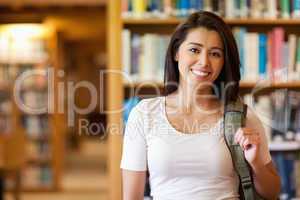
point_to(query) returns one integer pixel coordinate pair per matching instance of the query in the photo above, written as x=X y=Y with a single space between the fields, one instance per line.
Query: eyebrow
x=201 y=45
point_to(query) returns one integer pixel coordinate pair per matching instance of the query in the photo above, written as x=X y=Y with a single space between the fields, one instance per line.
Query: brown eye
x=194 y=50
x=216 y=54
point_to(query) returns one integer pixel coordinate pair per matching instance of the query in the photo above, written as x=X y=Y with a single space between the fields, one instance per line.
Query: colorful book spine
x=285 y=8
x=139 y=8
x=207 y=5
x=298 y=60
x=184 y=8
x=244 y=9
x=167 y=7
x=272 y=9
x=229 y=9
x=292 y=43
x=126 y=51
x=296 y=9
x=262 y=56
x=278 y=46
x=196 y=5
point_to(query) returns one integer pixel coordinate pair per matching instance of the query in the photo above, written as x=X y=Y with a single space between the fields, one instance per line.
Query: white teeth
x=200 y=73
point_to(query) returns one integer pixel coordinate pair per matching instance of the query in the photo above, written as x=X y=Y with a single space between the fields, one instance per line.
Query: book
x=296 y=9
x=251 y=58
x=262 y=56
x=292 y=44
x=285 y=9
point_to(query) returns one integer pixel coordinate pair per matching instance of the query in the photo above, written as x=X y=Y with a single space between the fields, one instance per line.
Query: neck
x=196 y=99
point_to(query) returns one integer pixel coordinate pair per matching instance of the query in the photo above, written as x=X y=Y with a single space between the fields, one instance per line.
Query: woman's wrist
x=257 y=166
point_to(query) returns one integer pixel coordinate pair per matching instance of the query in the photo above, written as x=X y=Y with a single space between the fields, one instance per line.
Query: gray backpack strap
x=234 y=118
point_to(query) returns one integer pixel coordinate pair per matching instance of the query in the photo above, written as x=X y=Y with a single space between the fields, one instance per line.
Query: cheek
x=217 y=67
x=183 y=65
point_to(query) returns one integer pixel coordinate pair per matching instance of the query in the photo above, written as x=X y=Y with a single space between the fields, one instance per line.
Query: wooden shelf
x=35 y=189
x=48 y=3
x=40 y=138
x=39 y=189
x=288 y=85
x=175 y=21
x=293 y=146
x=39 y=161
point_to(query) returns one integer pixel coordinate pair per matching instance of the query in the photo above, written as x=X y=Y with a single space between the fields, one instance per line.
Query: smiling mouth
x=200 y=73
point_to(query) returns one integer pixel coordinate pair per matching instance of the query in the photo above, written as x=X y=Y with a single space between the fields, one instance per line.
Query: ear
x=176 y=57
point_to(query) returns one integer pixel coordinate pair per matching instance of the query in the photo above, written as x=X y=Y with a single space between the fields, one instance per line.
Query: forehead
x=204 y=36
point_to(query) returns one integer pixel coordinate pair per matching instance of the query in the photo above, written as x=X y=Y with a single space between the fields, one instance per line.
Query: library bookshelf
x=116 y=84
x=176 y=21
x=33 y=146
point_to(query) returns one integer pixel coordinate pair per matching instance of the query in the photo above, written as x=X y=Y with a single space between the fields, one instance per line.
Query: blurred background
x=41 y=156
x=66 y=65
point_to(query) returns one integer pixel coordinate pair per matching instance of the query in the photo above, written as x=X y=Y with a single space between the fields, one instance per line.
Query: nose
x=203 y=59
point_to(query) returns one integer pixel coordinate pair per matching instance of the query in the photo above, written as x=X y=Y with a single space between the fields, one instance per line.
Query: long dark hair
x=228 y=80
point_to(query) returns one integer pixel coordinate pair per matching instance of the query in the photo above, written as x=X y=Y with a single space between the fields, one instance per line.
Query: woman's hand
x=249 y=140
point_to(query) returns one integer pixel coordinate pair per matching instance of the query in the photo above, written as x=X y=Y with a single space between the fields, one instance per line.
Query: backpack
x=234 y=118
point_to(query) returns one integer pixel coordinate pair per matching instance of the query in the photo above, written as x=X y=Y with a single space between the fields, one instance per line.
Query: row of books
x=7 y=72
x=38 y=150
x=224 y=8
x=288 y=166
x=33 y=177
x=268 y=55
x=22 y=50
x=262 y=55
x=11 y=72
x=143 y=56
x=36 y=176
x=36 y=125
x=280 y=114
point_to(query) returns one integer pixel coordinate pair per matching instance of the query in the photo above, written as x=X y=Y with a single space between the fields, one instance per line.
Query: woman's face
x=200 y=57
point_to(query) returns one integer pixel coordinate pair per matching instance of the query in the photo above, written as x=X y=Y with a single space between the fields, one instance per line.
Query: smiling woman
x=178 y=138
x=200 y=57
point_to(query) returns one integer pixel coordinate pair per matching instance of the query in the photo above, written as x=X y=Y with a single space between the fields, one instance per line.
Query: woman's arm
x=266 y=180
x=253 y=140
x=133 y=184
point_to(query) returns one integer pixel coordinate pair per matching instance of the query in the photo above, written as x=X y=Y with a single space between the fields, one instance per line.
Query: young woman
x=179 y=138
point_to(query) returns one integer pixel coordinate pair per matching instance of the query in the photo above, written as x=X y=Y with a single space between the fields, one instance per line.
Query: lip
x=199 y=77
x=201 y=70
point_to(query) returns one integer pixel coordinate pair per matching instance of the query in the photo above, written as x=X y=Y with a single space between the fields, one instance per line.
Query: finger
x=249 y=141
x=246 y=144
x=242 y=141
x=238 y=135
x=249 y=131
